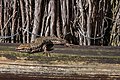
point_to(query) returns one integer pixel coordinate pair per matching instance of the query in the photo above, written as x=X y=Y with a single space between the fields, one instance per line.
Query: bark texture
x=83 y=22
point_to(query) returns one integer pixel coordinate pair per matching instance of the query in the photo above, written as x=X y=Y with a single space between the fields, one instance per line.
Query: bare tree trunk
x=58 y=22
x=5 y=20
x=84 y=19
x=115 y=33
x=89 y=22
x=68 y=17
x=43 y=22
x=37 y=16
x=52 y=21
x=82 y=39
x=63 y=14
x=13 y=21
x=2 y=18
x=27 y=19
x=23 y=18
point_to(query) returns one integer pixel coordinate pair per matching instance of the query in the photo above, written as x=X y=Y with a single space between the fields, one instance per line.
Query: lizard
x=36 y=46
x=41 y=44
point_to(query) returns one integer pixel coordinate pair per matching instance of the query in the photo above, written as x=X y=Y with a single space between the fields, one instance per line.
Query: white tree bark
x=23 y=18
x=37 y=15
x=13 y=21
x=27 y=19
x=89 y=22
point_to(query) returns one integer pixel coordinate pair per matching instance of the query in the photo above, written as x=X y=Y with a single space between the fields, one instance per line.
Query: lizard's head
x=23 y=46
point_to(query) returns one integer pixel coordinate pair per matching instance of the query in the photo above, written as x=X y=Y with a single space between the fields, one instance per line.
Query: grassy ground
x=9 y=53
x=64 y=62
x=57 y=58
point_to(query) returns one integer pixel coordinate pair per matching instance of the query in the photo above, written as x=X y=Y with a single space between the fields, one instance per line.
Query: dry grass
x=9 y=53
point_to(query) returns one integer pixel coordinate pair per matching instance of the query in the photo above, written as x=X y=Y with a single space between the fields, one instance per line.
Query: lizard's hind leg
x=45 y=50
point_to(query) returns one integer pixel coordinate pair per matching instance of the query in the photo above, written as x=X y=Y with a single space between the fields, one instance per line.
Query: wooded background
x=83 y=22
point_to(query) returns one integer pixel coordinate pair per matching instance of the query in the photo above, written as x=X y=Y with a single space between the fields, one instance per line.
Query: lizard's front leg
x=45 y=50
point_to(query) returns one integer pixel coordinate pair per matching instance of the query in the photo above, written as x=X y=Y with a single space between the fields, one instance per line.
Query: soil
x=65 y=63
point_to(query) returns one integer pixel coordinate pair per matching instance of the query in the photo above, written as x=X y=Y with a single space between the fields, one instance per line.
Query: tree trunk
x=23 y=18
x=52 y=20
x=2 y=18
x=115 y=34
x=27 y=19
x=88 y=22
x=37 y=17
x=13 y=21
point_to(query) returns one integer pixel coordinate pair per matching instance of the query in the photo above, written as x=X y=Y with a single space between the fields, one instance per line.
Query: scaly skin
x=29 y=47
x=54 y=40
x=40 y=44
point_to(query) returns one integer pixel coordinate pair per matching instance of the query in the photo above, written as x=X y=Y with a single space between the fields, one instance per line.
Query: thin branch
x=8 y=21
